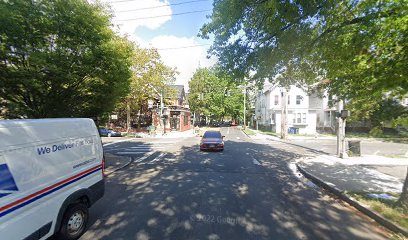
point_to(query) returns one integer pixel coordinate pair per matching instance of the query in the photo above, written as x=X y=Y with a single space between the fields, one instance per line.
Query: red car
x=212 y=140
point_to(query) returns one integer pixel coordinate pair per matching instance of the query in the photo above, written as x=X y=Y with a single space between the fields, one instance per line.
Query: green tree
x=379 y=111
x=60 y=59
x=389 y=110
x=358 y=47
x=214 y=94
x=150 y=76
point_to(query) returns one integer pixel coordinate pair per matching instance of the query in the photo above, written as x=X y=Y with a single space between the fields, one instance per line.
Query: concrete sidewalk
x=358 y=174
x=318 y=136
x=368 y=173
x=342 y=179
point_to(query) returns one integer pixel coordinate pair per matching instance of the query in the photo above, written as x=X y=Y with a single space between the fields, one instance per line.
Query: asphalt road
x=173 y=191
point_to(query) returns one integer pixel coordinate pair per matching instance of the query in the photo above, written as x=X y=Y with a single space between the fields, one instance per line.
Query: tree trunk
x=138 y=120
x=128 y=117
x=403 y=200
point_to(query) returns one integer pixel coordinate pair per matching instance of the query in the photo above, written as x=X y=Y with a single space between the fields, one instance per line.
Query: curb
x=119 y=168
x=370 y=213
x=128 y=163
x=245 y=133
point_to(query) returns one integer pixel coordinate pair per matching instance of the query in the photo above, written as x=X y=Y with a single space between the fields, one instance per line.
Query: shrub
x=376 y=132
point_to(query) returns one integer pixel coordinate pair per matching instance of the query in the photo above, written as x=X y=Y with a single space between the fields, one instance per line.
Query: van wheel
x=74 y=222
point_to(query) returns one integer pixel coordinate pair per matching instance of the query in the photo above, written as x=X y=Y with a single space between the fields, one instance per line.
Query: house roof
x=180 y=93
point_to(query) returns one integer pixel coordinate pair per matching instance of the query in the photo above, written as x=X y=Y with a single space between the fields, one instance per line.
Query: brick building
x=177 y=114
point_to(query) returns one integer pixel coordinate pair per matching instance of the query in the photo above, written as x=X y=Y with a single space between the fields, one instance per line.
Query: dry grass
x=385 y=208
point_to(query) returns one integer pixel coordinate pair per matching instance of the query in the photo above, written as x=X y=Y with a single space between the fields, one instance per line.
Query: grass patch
x=249 y=131
x=383 y=137
x=269 y=133
x=384 y=207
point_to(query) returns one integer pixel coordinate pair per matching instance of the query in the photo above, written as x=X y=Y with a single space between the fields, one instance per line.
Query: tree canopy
x=149 y=76
x=60 y=59
x=360 y=46
x=214 y=94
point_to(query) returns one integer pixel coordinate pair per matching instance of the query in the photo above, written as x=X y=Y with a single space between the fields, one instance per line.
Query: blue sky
x=172 y=34
x=187 y=25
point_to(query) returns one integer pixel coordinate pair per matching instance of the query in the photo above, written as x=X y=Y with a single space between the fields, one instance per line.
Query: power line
x=199 y=45
x=167 y=15
x=124 y=1
x=173 y=4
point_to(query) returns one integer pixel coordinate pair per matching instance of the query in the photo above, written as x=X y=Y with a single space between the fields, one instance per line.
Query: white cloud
x=186 y=60
x=175 y=52
x=146 y=8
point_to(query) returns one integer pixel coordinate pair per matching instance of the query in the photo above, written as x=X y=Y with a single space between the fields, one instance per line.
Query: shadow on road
x=220 y=195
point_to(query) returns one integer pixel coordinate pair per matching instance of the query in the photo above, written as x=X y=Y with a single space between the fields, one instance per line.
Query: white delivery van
x=51 y=172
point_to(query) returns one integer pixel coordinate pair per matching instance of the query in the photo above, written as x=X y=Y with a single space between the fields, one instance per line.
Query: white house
x=306 y=113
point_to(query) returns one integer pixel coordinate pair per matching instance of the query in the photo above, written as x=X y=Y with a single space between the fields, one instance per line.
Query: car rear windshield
x=212 y=135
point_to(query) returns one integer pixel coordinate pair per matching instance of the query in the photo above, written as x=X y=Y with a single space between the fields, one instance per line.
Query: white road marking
x=158 y=158
x=129 y=153
x=135 y=150
x=123 y=140
x=147 y=147
x=228 y=131
x=376 y=152
x=144 y=157
x=256 y=162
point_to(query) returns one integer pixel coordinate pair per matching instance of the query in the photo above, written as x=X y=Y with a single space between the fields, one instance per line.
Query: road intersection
x=248 y=191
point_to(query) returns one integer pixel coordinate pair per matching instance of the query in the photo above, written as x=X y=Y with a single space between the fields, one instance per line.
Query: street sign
x=114 y=117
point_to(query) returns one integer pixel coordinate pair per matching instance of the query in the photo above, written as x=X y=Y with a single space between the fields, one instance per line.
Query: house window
x=330 y=101
x=298 y=99
x=304 y=117
x=299 y=118
x=276 y=99
x=288 y=99
x=294 y=118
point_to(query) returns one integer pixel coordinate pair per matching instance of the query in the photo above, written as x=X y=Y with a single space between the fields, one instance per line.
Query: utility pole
x=162 y=112
x=341 y=132
x=284 y=119
x=257 y=124
x=244 y=107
